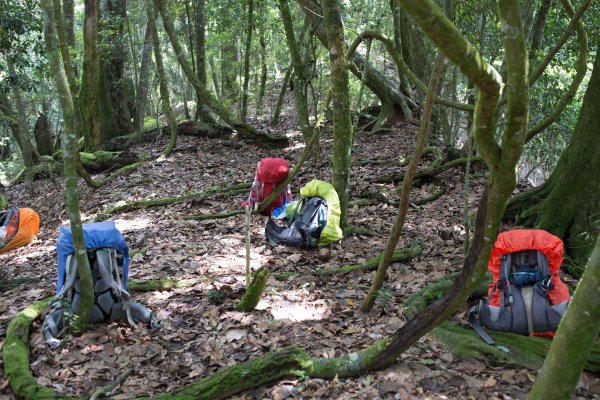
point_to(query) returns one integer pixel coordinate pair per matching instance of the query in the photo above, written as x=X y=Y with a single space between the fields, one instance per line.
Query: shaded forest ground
x=315 y=313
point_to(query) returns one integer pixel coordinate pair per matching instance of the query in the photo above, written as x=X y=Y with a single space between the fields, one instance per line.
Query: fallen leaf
x=235 y=334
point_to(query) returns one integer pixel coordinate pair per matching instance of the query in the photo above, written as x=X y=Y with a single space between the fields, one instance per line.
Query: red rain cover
x=529 y=239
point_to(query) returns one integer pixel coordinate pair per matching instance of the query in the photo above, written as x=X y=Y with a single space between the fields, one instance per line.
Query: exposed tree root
x=399 y=256
x=15 y=354
x=254 y=291
x=359 y=230
x=103 y=391
x=379 y=196
x=134 y=205
x=165 y=284
x=459 y=162
x=434 y=196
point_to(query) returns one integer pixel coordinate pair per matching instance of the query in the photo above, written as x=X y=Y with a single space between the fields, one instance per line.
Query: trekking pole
x=247 y=234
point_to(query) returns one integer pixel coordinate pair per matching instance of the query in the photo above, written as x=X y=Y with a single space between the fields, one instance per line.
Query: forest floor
x=317 y=314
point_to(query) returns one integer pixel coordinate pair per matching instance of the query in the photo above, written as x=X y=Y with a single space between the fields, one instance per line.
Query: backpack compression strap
x=473 y=312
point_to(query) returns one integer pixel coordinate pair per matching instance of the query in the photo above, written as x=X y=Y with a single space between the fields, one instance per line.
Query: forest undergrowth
x=319 y=314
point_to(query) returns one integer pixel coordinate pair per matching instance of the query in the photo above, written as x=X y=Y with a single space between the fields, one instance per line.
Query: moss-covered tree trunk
x=300 y=98
x=68 y=14
x=43 y=135
x=280 y=98
x=570 y=206
x=202 y=110
x=21 y=140
x=342 y=120
x=247 y=49
x=99 y=123
x=70 y=147
x=258 y=137
x=162 y=79
x=113 y=39
x=576 y=334
x=141 y=93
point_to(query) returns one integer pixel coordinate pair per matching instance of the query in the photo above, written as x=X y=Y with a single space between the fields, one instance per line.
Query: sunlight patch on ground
x=134 y=224
x=290 y=306
x=39 y=252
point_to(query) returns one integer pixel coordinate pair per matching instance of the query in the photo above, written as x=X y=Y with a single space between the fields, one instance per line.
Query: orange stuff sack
x=22 y=227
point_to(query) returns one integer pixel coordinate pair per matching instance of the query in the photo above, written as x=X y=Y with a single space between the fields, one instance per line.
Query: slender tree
x=247 y=50
x=406 y=188
x=141 y=93
x=69 y=141
x=162 y=79
x=298 y=71
x=263 y=59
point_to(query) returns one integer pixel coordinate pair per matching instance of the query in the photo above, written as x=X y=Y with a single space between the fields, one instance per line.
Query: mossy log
x=15 y=352
x=254 y=291
x=441 y=190
x=164 y=284
x=100 y=161
x=135 y=205
x=524 y=351
x=188 y=128
x=425 y=173
x=398 y=256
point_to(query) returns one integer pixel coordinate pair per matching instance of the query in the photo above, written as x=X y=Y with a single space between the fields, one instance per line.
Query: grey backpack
x=304 y=226
x=112 y=301
x=524 y=305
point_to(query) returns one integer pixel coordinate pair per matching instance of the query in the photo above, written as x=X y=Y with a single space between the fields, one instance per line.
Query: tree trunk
x=200 y=43
x=113 y=37
x=68 y=13
x=230 y=57
x=71 y=150
x=570 y=203
x=27 y=150
x=342 y=120
x=298 y=71
x=22 y=141
x=43 y=136
x=141 y=93
x=576 y=334
x=260 y=138
x=537 y=32
x=280 y=98
x=247 y=50
x=263 y=62
x=99 y=123
x=162 y=78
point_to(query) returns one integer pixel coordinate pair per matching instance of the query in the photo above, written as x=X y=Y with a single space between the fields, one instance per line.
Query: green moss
x=255 y=290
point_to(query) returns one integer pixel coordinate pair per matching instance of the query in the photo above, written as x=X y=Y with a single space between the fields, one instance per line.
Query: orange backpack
x=22 y=225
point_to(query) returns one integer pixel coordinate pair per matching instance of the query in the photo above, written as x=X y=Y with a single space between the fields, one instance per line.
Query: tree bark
x=342 y=120
x=71 y=150
x=120 y=86
x=99 y=123
x=574 y=338
x=263 y=62
x=280 y=98
x=68 y=13
x=537 y=32
x=260 y=138
x=247 y=49
x=43 y=136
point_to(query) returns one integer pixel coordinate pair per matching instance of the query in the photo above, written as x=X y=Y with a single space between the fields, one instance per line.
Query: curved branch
x=401 y=65
x=581 y=69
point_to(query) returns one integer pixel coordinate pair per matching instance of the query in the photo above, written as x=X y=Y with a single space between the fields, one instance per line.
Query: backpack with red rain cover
x=270 y=172
x=526 y=295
